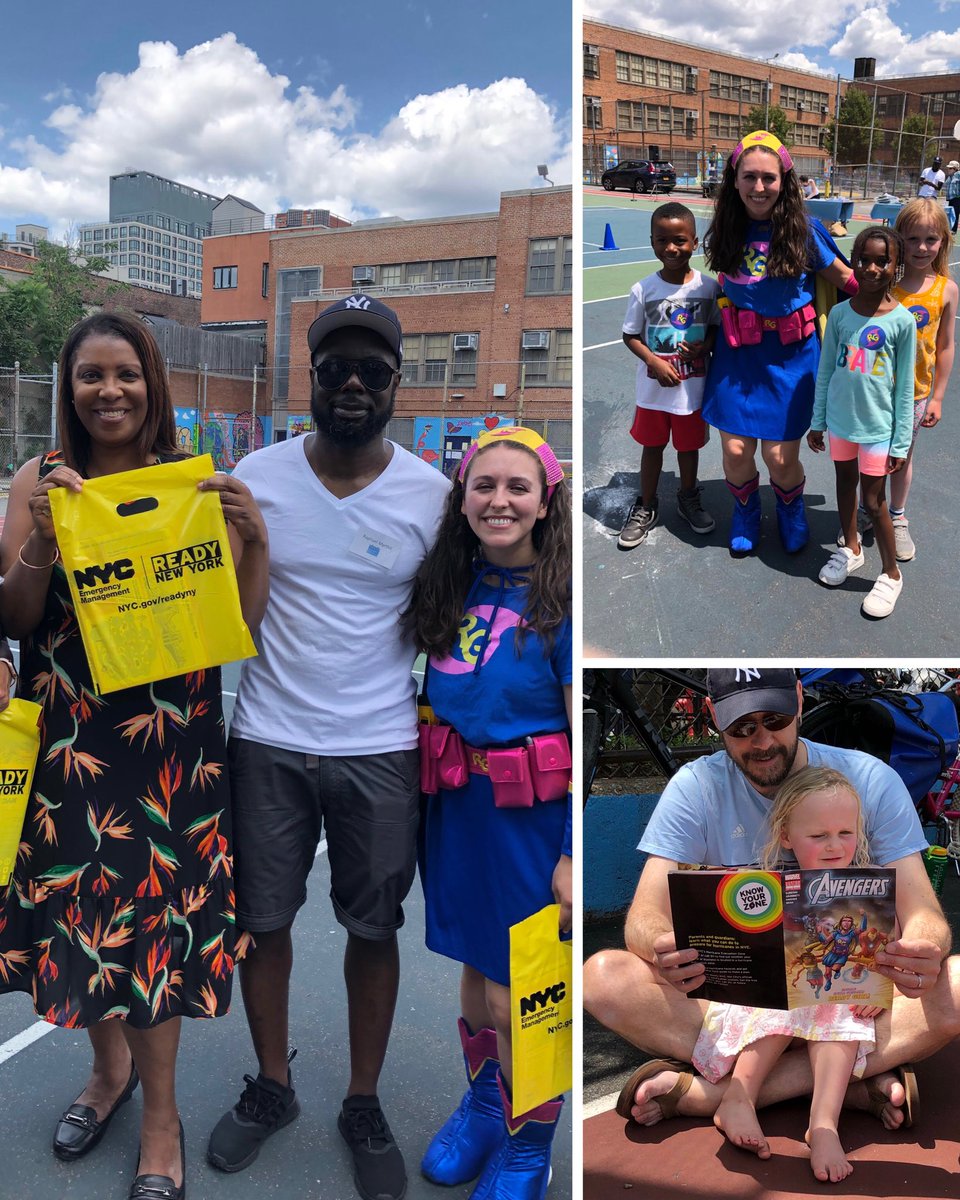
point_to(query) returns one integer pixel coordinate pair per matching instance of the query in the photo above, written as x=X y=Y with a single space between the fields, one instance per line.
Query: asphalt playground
x=43 y=1068
x=680 y=593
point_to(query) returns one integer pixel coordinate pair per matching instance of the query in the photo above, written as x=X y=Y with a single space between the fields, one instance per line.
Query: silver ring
x=919 y=984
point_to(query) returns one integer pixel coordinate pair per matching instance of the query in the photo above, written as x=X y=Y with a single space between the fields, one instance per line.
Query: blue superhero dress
x=766 y=391
x=485 y=868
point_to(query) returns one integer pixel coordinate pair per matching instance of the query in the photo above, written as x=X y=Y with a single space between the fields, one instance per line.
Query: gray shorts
x=368 y=807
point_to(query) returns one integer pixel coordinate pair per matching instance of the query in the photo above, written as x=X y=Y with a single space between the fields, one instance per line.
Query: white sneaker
x=839 y=565
x=904 y=542
x=883 y=596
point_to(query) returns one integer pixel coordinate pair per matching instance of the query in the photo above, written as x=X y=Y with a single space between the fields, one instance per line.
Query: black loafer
x=78 y=1130
x=162 y=1187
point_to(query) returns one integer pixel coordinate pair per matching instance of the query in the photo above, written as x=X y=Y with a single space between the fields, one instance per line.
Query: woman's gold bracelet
x=33 y=566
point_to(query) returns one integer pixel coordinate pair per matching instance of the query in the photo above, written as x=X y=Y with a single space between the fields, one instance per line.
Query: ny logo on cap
x=748 y=674
x=357 y=302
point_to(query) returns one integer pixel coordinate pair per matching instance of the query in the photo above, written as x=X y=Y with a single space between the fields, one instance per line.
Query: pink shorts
x=651 y=427
x=872 y=458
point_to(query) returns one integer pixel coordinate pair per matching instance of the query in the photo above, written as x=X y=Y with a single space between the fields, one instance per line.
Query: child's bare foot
x=881 y=1094
x=737 y=1121
x=646 y=1110
x=827 y=1159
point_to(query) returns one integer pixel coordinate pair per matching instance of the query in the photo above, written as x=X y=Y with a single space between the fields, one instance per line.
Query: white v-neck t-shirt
x=333 y=676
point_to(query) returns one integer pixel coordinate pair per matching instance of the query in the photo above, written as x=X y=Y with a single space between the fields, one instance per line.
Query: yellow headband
x=761 y=137
x=526 y=437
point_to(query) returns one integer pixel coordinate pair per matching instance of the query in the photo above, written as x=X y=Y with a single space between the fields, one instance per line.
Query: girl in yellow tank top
x=927 y=290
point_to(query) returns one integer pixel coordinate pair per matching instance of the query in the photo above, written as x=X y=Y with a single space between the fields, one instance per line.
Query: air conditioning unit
x=364 y=274
x=466 y=341
x=592 y=51
x=594 y=102
x=691 y=79
x=691 y=115
x=536 y=339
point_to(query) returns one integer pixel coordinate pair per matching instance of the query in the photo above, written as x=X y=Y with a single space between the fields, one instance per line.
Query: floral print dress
x=121 y=902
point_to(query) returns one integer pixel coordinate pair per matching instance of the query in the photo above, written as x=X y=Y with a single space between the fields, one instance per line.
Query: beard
x=766 y=770
x=346 y=432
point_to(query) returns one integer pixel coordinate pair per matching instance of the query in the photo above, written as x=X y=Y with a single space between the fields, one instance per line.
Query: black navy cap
x=736 y=691
x=358 y=310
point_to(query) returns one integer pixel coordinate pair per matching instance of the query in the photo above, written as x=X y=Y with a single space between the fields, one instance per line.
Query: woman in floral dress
x=119 y=915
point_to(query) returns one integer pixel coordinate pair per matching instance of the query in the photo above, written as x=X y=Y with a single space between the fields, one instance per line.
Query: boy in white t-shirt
x=670 y=326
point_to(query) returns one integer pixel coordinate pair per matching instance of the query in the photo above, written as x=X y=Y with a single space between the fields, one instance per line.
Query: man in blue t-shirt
x=713 y=812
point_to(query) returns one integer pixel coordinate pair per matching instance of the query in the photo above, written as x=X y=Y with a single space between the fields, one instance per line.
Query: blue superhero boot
x=745 y=522
x=468 y=1138
x=520 y=1169
x=792 y=517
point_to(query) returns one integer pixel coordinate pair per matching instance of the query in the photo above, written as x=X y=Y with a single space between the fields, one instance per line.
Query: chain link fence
x=27 y=407
x=679 y=715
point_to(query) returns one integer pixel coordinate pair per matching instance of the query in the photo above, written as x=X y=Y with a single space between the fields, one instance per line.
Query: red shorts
x=651 y=427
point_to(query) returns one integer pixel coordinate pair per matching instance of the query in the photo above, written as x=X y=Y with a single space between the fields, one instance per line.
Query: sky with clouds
x=391 y=109
x=909 y=38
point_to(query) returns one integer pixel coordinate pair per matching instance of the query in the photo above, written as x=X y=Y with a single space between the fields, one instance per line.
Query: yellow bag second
x=151 y=574
x=19 y=745
x=541 y=1010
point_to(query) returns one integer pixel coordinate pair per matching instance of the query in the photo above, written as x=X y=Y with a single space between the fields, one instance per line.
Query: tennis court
x=682 y=593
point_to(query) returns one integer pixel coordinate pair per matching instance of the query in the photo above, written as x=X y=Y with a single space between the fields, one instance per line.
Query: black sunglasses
x=374 y=373
x=772 y=722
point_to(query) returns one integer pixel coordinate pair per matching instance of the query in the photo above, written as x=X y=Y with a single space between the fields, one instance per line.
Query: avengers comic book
x=787 y=939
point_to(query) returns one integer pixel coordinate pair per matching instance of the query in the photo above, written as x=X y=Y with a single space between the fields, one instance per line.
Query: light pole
x=769 y=89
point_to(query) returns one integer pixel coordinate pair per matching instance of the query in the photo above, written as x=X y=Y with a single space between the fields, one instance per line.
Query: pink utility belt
x=537 y=770
x=743 y=327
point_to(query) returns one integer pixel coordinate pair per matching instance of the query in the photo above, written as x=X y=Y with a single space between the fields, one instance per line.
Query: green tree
x=772 y=118
x=37 y=313
x=919 y=140
x=856 y=119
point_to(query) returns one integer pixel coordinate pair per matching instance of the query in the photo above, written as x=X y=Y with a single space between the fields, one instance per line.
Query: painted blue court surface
x=680 y=593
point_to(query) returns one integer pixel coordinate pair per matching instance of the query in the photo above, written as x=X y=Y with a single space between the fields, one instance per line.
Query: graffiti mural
x=228 y=437
x=298 y=424
x=442 y=443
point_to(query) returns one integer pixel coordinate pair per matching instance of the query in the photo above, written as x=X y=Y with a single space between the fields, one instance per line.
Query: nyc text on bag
x=541 y=1009
x=19 y=745
x=151 y=574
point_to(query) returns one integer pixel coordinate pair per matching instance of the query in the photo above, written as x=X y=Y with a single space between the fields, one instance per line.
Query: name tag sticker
x=375 y=549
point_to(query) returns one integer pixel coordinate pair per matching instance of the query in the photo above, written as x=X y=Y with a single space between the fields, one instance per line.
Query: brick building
x=484 y=300
x=643 y=93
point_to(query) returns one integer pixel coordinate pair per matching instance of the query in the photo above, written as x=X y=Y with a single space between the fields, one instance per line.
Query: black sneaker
x=638 y=524
x=378 y=1169
x=264 y=1107
x=690 y=508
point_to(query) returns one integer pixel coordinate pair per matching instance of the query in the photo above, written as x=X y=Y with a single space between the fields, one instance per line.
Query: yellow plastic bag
x=19 y=744
x=151 y=574
x=541 y=1010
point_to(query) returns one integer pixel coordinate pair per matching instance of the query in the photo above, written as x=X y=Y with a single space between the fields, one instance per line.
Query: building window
x=591 y=62
x=724 y=86
x=796 y=97
x=547 y=357
x=724 y=125
x=445 y=271
x=651 y=72
x=436 y=358
x=550 y=265
x=265 y=280
x=592 y=112
x=392 y=275
x=224 y=277
x=415 y=272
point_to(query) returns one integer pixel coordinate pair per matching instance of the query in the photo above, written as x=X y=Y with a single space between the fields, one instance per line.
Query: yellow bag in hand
x=19 y=745
x=541 y=1010
x=151 y=574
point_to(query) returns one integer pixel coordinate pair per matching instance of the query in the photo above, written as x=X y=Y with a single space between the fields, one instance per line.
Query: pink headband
x=769 y=141
x=525 y=437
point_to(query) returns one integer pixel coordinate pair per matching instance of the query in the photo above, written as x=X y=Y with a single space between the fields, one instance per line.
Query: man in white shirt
x=932 y=179
x=324 y=732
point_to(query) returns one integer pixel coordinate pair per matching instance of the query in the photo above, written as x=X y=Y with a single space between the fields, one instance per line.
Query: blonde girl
x=927 y=290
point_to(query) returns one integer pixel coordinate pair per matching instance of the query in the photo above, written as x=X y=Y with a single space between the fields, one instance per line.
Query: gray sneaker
x=904 y=542
x=864 y=525
x=693 y=512
x=638 y=524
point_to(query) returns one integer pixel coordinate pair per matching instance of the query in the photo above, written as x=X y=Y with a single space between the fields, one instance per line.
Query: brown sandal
x=668 y=1102
x=911 y=1102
